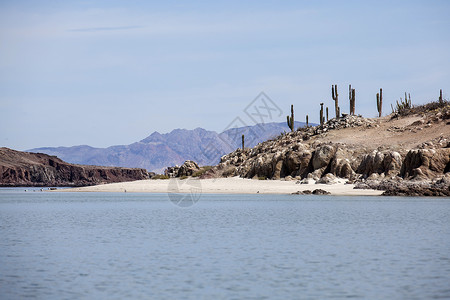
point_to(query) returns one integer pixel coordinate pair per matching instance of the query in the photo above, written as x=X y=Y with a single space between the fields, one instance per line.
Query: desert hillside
x=411 y=145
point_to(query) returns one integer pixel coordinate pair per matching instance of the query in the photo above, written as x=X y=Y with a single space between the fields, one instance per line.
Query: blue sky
x=111 y=72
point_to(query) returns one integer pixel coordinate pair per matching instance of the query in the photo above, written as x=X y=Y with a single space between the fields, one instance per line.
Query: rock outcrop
x=36 y=169
x=304 y=155
x=188 y=168
x=396 y=187
x=425 y=163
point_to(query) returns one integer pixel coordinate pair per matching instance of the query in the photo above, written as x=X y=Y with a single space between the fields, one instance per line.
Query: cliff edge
x=36 y=169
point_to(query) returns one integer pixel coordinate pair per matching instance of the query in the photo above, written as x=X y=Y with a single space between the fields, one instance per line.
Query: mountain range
x=158 y=151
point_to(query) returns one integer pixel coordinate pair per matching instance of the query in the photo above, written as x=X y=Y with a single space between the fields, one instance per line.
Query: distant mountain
x=158 y=151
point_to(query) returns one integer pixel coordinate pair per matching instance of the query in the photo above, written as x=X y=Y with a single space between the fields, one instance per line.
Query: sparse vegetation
x=262 y=178
x=160 y=176
x=290 y=120
x=202 y=171
x=421 y=109
x=351 y=97
x=321 y=114
x=380 y=102
x=334 y=95
x=403 y=108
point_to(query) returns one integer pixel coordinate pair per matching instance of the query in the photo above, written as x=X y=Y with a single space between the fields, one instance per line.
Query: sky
x=104 y=73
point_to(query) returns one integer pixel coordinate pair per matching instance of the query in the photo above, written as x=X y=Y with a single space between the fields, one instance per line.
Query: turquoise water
x=116 y=246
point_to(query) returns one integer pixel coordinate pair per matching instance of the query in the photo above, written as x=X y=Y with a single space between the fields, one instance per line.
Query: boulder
x=322 y=156
x=297 y=162
x=341 y=165
x=327 y=179
x=392 y=163
x=188 y=168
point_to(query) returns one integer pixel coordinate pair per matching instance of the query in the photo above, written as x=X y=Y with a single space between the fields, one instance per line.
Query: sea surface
x=124 y=245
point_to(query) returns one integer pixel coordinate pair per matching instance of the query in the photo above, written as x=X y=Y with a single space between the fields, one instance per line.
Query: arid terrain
x=395 y=152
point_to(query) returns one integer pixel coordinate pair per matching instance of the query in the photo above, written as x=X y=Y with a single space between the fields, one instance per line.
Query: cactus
x=404 y=105
x=243 y=142
x=380 y=102
x=334 y=95
x=307 y=121
x=327 y=113
x=351 y=97
x=290 y=120
x=440 y=97
x=321 y=114
x=408 y=102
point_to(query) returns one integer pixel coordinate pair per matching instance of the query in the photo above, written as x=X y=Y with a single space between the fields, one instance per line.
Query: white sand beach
x=233 y=185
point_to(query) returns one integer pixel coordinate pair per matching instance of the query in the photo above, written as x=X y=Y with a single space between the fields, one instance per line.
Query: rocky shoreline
x=437 y=188
x=304 y=155
x=41 y=170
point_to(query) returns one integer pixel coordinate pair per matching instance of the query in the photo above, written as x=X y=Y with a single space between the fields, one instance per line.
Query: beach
x=233 y=185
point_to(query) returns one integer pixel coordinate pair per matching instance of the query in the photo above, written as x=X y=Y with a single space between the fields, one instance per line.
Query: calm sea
x=118 y=246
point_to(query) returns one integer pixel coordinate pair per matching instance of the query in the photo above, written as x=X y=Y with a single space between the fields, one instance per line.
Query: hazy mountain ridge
x=158 y=151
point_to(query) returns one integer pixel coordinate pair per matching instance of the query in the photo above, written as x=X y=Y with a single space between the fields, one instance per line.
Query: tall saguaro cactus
x=440 y=97
x=351 y=97
x=380 y=102
x=243 y=142
x=321 y=114
x=290 y=120
x=334 y=95
x=307 y=121
x=327 y=113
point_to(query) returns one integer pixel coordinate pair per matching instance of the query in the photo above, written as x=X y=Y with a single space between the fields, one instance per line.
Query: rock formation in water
x=36 y=169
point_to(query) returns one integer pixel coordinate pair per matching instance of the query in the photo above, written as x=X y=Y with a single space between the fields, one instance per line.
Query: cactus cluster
x=380 y=102
x=403 y=104
x=290 y=120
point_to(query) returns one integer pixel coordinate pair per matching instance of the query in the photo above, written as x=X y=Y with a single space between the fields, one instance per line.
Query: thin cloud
x=97 y=29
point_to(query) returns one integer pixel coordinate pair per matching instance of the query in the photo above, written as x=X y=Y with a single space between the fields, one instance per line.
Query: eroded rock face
x=278 y=160
x=36 y=169
x=387 y=163
x=425 y=163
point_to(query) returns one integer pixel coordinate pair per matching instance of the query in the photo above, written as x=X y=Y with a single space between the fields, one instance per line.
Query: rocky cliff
x=390 y=149
x=36 y=169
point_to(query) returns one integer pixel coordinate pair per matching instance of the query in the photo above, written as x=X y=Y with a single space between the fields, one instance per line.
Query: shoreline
x=233 y=185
